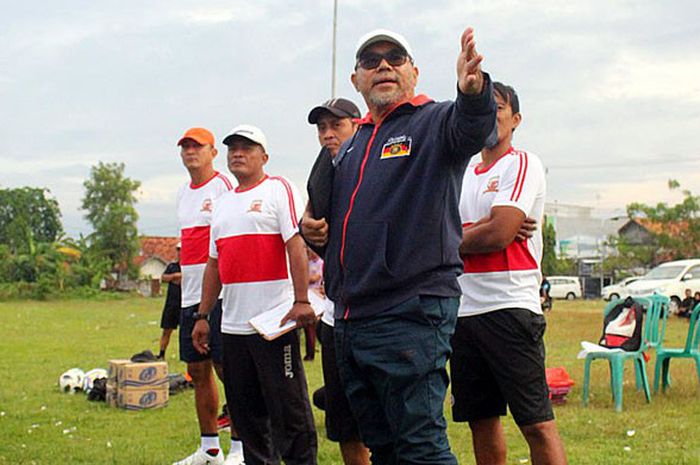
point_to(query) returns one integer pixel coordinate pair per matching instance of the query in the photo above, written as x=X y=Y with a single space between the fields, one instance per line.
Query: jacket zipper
x=352 y=202
x=354 y=193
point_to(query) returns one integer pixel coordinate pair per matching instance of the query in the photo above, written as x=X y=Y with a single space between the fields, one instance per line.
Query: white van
x=565 y=287
x=670 y=279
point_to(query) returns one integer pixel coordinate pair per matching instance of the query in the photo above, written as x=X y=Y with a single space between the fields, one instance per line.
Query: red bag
x=622 y=327
x=559 y=383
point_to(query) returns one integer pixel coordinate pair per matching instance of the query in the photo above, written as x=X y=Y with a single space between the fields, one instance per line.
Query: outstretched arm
x=469 y=76
x=472 y=120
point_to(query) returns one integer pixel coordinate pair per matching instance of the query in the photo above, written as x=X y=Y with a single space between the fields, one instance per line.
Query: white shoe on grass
x=202 y=458
x=235 y=458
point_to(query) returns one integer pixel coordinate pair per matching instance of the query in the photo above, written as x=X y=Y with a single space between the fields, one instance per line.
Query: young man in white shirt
x=498 y=351
x=254 y=231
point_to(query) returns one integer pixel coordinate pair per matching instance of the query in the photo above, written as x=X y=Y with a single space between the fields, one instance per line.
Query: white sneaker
x=234 y=459
x=202 y=458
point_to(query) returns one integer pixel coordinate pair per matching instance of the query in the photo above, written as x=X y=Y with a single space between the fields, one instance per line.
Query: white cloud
x=648 y=191
x=32 y=166
x=600 y=83
x=214 y=15
x=635 y=75
x=159 y=190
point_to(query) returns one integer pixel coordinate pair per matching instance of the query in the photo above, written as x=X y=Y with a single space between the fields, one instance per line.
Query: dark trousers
x=393 y=368
x=268 y=400
x=341 y=425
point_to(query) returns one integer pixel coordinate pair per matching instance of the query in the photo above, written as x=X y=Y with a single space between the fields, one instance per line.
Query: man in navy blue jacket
x=392 y=239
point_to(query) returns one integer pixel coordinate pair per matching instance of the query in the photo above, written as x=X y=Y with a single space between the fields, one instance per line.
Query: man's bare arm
x=301 y=311
x=211 y=287
x=493 y=233
x=171 y=278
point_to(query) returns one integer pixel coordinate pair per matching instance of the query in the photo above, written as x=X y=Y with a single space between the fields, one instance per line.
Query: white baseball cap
x=382 y=35
x=247 y=131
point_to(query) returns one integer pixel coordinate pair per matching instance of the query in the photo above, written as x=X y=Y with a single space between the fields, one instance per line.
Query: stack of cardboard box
x=137 y=386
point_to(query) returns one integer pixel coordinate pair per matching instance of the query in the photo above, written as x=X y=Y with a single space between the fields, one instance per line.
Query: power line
x=628 y=164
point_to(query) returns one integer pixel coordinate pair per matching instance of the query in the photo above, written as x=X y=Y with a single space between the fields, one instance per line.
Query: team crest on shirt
x=206 y=206
x=396 y=147
x=492 y=184
x=255 y=206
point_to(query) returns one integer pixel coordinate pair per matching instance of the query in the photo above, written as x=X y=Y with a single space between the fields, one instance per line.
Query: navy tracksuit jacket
x=394 y=220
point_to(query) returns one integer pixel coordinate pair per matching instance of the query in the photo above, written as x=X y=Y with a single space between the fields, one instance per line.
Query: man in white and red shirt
x=498 y=358
x=194 y=211
x=254 y=231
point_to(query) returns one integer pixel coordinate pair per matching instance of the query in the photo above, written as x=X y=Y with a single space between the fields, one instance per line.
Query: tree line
x=38 y=260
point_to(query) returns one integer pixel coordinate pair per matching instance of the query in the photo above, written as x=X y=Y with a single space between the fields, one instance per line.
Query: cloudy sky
x=610 y=90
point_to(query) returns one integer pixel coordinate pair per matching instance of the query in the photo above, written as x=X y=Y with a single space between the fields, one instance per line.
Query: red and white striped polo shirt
x=194 y=208
x=510 y=277
x=249 y=231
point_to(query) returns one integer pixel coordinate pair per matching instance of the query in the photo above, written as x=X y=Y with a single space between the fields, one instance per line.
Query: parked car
x=670 y=279
x=618 y=290
x=565 y=287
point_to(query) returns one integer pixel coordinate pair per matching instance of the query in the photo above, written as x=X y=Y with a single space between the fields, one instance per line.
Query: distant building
x=634 y=232
x=642 y=231
x=155 y=254
x=581 y=233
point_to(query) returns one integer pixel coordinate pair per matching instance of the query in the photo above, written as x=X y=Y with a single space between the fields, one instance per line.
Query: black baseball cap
x=340 y=107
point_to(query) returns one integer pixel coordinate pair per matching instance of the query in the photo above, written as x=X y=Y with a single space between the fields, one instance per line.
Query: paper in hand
x=268 y=323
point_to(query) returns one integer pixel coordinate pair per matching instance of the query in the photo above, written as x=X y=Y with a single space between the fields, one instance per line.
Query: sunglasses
x=371 y=60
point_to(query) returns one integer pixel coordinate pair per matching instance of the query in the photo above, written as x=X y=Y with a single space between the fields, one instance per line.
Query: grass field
x=40 y=425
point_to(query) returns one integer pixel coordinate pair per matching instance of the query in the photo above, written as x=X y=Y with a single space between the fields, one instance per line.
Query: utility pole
x=335 y=28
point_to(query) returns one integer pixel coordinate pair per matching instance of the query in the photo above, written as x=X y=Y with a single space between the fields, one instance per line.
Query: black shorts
x=341 y=425
x=188 y=354
x=498 y=361
x=170 y=317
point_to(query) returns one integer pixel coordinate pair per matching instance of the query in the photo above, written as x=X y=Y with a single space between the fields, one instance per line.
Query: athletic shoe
x=202 y=458
x=234 y=459
x=223 y=421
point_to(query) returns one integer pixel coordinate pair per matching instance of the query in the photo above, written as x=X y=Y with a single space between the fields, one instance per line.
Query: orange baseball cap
x=201 y=135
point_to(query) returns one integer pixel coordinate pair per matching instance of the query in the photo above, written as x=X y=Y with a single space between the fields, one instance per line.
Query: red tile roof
x=161 y=247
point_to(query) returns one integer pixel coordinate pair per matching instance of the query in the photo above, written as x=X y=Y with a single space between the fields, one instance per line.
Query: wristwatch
x=196 y=316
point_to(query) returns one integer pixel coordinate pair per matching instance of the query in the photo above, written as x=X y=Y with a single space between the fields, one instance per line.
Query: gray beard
x=385 y=101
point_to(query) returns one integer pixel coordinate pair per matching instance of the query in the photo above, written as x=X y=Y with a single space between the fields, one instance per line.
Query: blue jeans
x=393 y=368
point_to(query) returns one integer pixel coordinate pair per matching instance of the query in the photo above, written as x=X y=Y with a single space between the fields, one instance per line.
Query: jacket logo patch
x=255 y=206
x=206 y=206
x=396 y=147
x=492 y=184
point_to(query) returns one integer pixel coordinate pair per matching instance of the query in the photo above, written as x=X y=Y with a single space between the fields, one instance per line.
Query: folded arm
x=494 y=232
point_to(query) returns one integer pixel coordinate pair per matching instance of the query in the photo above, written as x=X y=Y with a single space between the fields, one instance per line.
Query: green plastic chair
x=653 y=329
x=690 y=350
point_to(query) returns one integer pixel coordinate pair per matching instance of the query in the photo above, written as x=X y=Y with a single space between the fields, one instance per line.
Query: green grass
x=40 y=340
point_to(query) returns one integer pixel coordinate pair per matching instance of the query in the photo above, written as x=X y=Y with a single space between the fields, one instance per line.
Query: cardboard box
x=135 y=398
x=111 y=395
x=137 y=386
x=113 y=371
x=142 y=374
